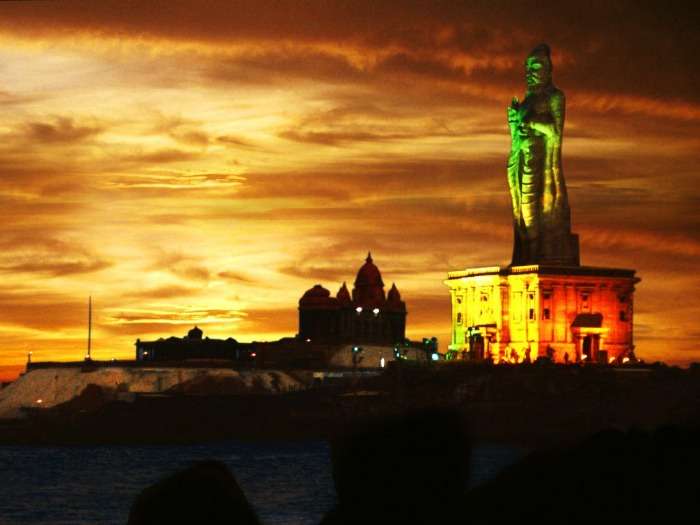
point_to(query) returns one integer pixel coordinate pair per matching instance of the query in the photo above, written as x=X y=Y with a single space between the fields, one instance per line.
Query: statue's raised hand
x=513 y=112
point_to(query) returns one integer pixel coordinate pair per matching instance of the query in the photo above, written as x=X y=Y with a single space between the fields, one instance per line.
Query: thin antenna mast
x=89 y=349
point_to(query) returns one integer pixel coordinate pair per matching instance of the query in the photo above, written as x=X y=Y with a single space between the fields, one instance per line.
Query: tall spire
x=343 y=295
x=369 y=257
x=89 y=341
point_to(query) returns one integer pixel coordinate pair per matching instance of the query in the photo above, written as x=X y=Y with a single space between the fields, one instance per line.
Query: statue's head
x=538 y=68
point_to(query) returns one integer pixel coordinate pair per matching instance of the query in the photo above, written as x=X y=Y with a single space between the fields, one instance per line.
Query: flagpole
x=89 y=349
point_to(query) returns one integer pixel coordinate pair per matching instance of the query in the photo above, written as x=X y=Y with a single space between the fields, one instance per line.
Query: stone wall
x=47 y=387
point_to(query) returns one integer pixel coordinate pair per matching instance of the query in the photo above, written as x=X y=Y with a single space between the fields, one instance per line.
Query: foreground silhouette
x=612 y=475
x=206 y=492
x=416 y=468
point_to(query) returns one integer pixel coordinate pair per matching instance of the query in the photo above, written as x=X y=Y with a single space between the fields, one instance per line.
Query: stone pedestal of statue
x=515 y=314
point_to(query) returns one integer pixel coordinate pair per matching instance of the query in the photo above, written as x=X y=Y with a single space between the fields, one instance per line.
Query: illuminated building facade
x=520 y=313
x=368 y=316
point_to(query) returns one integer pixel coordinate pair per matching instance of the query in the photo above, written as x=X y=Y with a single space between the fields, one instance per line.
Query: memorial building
x=545 y=303
x=368 y=316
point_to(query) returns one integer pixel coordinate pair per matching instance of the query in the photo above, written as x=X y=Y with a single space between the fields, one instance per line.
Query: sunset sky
x=206 y=162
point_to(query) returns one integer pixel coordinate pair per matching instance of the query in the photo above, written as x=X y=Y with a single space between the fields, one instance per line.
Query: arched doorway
x=590 y=345
x=476 y=346
x=588 y=332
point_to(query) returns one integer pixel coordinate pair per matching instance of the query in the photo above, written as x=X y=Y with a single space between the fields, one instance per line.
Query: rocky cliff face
x=52 y=386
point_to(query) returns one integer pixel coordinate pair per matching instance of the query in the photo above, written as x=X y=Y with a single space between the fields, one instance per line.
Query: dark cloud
x=144 y=330
x=236 y=277
x=430 y=68
x=161 y=156
x=234 y=141
x=48 y=312
x=343 y=182
x=318 y=274
x=191 y=272
x=369 y=123
x=187 y=267
x=329 y=138
x=157 y=183
x=192 y=137
x=46 y=254
x=182 y=316
x=280 y=65
x=59 y=131
x=645 y=48
x=163 y=292
x=55 y=266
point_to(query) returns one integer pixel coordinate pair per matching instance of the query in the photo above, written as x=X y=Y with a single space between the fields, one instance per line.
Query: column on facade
x=503 y=328
x=571 y=311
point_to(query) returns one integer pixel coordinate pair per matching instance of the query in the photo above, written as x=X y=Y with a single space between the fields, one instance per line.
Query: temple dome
x=317 y=296
x=195 y=333
x=369 y=287
x=316 y=291
x=369 y=274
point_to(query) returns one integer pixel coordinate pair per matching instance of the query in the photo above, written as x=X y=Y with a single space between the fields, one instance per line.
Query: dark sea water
x=287 y=482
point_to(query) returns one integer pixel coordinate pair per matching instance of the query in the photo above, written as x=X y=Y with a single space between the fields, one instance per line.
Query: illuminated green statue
x=541 y=216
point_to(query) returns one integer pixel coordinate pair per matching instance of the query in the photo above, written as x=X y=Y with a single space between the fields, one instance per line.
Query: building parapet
x=541 y=270
x=471 y=272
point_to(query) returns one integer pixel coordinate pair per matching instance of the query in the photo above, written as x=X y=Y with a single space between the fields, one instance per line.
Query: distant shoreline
x=532 y=406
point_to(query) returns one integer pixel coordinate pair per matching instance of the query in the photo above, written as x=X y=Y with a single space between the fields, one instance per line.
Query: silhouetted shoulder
x=206 y=492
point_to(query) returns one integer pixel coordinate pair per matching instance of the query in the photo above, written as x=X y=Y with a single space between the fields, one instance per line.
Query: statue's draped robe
x=541 y=216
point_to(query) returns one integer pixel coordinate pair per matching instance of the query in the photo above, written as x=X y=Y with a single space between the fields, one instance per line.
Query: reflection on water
x=287 y=482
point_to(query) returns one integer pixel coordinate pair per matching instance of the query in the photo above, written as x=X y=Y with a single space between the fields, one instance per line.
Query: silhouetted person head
x=613 y=475
x=410 y=467
x=206 y=492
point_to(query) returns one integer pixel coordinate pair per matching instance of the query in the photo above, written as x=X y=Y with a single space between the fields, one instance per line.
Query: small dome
x=195 y=333
x=343 y=295
x=317 y=296
x=316 y=291
x=369 y=274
